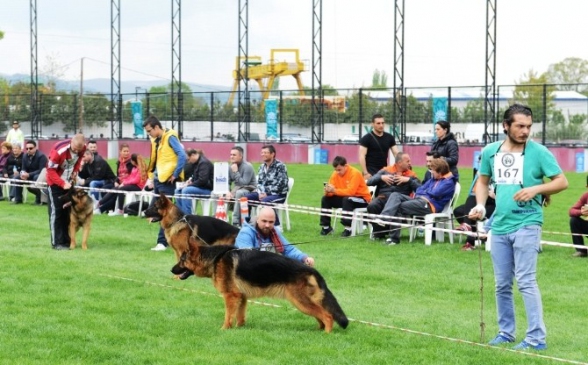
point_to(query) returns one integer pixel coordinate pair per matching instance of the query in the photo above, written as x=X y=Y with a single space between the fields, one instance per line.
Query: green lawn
x=410 y=304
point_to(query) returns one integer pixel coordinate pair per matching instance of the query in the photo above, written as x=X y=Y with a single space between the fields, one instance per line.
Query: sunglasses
x=30 y=148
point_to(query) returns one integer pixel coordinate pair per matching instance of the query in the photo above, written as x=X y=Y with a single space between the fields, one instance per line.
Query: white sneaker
x=159 y=247
x=115 y=213
x=380 y=222
x=97 y=211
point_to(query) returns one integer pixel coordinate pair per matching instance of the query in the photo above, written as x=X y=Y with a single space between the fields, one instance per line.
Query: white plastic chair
x=141 y=196
x=443 y=218
x=282 y=208
x=358 y=214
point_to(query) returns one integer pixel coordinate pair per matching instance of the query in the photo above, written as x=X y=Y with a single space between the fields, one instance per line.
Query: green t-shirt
x=538 y=162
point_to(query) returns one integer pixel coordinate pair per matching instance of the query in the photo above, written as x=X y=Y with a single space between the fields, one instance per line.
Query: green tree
x=531 y=91
x=1 y=34
x=568 y=74
x=379 y=79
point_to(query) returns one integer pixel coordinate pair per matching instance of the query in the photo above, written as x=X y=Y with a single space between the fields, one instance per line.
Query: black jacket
x=34 y=164
x=203 y=174
x=449 y=150
x=99 y=169
x=11 y=162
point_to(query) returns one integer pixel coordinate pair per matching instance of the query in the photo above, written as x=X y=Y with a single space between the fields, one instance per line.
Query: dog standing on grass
x=239 y=274
x=179 y=228
x=80 y=215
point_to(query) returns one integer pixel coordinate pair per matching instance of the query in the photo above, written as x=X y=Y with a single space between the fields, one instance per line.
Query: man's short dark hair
x=238 y=148
x=152 y=121
x=339 y=161
x=191 y=152
x=92 y=141
x=270 y=148
x=516 y=109
x=376 y=116
x=435 y=154
x=30 y=141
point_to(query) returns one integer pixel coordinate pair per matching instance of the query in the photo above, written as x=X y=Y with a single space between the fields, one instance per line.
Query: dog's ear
x=164 y=201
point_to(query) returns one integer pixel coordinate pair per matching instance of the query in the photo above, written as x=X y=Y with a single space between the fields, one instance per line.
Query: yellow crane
x=265 y=75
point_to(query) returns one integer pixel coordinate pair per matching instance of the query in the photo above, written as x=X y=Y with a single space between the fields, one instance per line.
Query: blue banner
x=439 y=110
x=271 y=118
x=137 y=110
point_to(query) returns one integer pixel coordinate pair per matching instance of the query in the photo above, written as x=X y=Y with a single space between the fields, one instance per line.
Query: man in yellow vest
x=166 y=165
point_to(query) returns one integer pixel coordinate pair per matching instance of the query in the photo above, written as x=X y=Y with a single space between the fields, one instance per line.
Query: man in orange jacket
x=346 y=189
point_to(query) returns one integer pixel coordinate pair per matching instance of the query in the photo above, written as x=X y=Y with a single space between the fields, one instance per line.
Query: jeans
x=96 y=184
x=168 y=189
x=515 y=255
x=253 y=199
x=185 y=204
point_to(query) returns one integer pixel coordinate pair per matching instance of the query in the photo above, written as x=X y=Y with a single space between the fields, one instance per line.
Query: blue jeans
x=254 y=197
x=167 y=189
x=96 y=184
x=515 y=255
x=185 y=204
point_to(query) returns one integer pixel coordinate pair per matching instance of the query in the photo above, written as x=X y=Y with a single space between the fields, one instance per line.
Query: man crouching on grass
x=262 y=235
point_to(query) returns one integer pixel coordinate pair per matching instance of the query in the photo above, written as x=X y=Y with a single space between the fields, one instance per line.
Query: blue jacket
x=247 y=239
x=438 y=192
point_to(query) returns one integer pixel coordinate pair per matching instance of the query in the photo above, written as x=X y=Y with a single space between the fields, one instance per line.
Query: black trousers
x=579 y=226
x=462 y=211
x=58 y=217
x=347 y=203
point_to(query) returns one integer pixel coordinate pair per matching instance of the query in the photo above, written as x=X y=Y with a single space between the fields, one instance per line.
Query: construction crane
x=265 y=75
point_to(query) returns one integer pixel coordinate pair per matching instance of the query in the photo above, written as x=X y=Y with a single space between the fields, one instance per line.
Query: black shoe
x=37 y=202
x=326 y=231
x=2 y=198
x=16 y=202
x=60 y=247
x=346 y=233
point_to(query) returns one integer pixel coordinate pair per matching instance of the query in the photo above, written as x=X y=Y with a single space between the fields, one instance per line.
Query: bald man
x=63 y=166
x=261 y=235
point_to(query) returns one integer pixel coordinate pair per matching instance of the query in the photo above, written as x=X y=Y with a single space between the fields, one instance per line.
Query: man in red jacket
x=62 y=168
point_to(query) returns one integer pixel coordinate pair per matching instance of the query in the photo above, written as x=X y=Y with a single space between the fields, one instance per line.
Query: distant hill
x=103 y=85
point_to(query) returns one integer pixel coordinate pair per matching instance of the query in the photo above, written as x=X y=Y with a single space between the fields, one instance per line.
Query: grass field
x=410 y=304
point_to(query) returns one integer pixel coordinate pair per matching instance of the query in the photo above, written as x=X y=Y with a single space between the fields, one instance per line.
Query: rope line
x=363 y=322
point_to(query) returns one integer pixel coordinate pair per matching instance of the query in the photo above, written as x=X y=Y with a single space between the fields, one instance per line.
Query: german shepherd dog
x=80 y=215
x=240 y=274
x=180 y=228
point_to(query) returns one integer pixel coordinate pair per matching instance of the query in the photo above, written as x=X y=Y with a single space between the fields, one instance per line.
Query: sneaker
x=468 y=247
x=97 y=211
x=527 y=346
x=60 y=247
x=580 y=254
x=326 y=231
x=464 y=227
x=346 y=233
x=115 y=213
x=159 y=247
x=500 y=339
x=391 y=242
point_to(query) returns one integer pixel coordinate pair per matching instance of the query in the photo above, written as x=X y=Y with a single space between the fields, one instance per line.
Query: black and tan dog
x=180 y=228
x=240 y=274
x=80 y=215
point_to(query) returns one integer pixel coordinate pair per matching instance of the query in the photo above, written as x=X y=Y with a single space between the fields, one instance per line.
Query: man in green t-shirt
x=518 y=166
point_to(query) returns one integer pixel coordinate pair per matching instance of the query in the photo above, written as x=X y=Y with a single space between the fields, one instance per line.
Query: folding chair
x=443 y=218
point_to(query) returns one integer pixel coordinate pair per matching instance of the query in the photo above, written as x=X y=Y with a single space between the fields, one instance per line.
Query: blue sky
x=444 y=40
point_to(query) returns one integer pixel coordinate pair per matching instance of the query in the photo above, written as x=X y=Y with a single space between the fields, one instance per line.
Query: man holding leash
x=518 y=166
x=262 y=235
x=165 y=166
x=63 y=166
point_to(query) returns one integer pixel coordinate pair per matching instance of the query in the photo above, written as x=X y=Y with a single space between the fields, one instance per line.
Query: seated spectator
x=579 y=224
x=261 y=234
x=347 y=190
x=395 y=178
x=13 y=169
x=5 y=152
x=92 y=146
x=96 y=174
x=462 y=211
x=199 y=184
x=135 y=181
x=429 y=156
x=272 y=181
x=34 y=161
x=429 y=198
x=242 y=177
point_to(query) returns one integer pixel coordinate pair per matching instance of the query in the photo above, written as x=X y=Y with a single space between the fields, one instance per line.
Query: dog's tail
x=331 y=305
